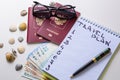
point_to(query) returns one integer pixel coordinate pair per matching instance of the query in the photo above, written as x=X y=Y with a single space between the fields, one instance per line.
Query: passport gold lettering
x=49 y=30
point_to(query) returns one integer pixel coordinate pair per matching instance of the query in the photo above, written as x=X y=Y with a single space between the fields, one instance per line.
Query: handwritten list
x=85 y=40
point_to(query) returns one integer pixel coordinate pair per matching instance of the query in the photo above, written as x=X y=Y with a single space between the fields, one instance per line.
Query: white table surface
x=104 y=12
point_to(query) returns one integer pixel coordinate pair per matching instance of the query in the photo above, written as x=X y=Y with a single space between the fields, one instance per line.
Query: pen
x=94 y=60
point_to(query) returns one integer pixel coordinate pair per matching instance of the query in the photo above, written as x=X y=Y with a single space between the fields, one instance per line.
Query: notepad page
x=84 y=41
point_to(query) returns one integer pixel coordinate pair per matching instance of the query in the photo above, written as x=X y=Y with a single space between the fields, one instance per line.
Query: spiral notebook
x=85 y=40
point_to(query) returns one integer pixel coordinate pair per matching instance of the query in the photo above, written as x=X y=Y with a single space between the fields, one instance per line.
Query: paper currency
x=36 y=60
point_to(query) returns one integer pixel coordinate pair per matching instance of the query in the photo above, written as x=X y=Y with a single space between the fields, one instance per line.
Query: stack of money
x=36 y=60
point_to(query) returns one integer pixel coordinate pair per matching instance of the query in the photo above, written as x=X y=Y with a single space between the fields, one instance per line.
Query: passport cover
x=55 y=29
x=33 y=27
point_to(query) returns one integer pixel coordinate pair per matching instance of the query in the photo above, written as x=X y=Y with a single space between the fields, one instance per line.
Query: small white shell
x=11 y=41
x=21 y=49
x=13 y=28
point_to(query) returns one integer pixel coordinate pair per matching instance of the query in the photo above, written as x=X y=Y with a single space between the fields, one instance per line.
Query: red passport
x=55 y=29
x=33 y=27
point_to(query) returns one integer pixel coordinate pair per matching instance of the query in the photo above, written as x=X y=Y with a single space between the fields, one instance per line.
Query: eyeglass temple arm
x=51 y=7
x=38 y=3
x=70 y=6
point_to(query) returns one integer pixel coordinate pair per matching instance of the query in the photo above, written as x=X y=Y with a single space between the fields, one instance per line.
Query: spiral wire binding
x=101 y=27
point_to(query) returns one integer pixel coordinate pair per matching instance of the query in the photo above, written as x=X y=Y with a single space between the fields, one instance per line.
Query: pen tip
x=71 y=76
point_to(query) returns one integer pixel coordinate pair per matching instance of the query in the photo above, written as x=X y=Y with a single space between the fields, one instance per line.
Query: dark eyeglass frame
x=64 y=9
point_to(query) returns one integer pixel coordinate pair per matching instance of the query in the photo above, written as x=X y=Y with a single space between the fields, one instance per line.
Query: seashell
x=1 y=45
x=23 y=13
x=22 y=26
x=21 y=49
x=13 y=28
x=52 y=4
x=14 y=52
x=20 y=39
x=11 y=41
x=10 y=57
x=18 y=67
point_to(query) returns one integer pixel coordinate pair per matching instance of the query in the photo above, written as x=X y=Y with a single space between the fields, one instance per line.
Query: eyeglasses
x=62 y=12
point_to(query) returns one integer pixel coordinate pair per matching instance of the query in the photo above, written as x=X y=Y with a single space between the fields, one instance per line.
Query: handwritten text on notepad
x=58 y=53
x=98 y=35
